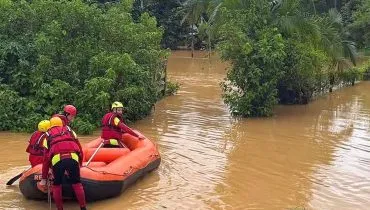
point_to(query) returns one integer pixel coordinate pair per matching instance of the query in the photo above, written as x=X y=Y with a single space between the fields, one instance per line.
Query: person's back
x=62 y=140
x=35 y=149
x=64 y=153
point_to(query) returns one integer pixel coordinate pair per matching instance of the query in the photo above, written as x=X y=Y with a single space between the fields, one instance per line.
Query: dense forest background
x=90 y=53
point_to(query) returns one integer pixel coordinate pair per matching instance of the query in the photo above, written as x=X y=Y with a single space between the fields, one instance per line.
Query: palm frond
x=312 y=28
x=289 y=7
x=350 y=50
x=275 y=5
x=185 y=18
x=288 y=24
x=335 y=17
x=214 y=13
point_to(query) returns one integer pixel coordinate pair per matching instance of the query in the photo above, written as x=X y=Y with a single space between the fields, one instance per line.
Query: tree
x=256 y=51
x=58 y=52
x=193 y=12
x=208 y=25
x=168 y=15
x=361 y=23
x=311 y=53
x=336 y=46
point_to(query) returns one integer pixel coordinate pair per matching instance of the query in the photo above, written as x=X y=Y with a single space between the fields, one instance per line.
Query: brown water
x=314 y=157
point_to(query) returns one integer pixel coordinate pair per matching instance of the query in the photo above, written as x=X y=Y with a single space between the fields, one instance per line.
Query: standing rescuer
x=35 y=147
x=64 y=154
x=113 y=126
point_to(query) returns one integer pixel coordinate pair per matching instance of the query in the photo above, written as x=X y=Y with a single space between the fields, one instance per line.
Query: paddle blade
x=12 y=180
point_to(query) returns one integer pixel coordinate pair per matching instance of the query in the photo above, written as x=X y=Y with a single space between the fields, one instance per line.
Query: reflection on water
x=315 y=156
x=292 y=160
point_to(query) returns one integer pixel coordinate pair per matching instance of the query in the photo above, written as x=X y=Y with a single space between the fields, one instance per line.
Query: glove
x=41 y=185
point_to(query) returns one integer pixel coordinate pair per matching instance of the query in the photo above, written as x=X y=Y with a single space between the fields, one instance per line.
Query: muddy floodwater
x=315 y=156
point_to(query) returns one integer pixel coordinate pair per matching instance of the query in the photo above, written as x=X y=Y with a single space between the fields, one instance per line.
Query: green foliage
x=348 y=10
x=351 y=75
x=365 y=70
x=361 y=24
x=168 y=16
x=11 y=104
x=311 y=54
x=59 y=52
x=303 y=73
x=172 y=88
x=256 y=52
x=83 y=126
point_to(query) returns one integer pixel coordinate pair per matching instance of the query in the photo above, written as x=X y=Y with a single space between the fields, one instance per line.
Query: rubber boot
x=80 y=194
x=57 y=196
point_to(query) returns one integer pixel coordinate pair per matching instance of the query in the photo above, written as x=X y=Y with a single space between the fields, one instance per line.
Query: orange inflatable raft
x=111 y=171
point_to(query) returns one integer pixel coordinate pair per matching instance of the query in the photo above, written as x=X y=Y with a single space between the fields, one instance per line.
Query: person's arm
x=45 y=164
x=41 y=185
x=29 y=147
x=81 y=155
x=124 y=127
x=46 y=158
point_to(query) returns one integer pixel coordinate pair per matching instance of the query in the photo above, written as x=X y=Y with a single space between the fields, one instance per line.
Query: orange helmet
x=56 y=121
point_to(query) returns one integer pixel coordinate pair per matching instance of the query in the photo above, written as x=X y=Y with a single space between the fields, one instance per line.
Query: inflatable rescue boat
x=111 y=171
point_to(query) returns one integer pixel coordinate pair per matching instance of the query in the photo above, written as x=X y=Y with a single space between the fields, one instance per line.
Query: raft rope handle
x=126 y=172
x=129 y=171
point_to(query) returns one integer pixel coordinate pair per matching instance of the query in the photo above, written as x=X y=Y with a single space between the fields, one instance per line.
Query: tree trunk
x=331 y=82
x=314 y=7
x=165 y=78
x=209 y=47
x=192 y=45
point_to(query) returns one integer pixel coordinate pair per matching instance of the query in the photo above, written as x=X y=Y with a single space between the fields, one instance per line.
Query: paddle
x=92 y=156
x=49 y=194
x=12 y=180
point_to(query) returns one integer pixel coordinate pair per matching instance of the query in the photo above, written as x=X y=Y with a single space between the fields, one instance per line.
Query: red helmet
x=70 y=109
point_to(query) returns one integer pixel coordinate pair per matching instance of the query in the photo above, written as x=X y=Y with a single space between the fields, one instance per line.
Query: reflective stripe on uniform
x=45 y=143
x=40 y=139
x=56 y=158
x=74 y=134
x=113 y=142
x=116 y=121
x=74 y=156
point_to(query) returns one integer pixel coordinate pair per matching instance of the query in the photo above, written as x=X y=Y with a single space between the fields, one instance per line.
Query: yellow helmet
x=55 y=121
x=44 y=125
x=117 y=104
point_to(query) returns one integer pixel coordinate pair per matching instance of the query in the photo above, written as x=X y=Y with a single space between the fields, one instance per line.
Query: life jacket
x=62 y=140
x=63 y=118
x=109 y=130
x=34 y=146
